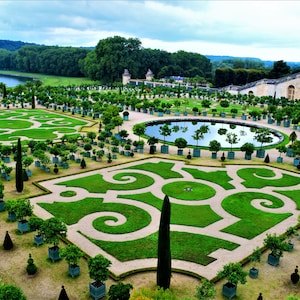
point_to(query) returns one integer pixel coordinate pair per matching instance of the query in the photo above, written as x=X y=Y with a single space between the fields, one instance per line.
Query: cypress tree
x=164 y=251
x=19 y=169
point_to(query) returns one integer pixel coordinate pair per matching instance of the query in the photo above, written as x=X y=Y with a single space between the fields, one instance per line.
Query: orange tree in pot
x=98 y=271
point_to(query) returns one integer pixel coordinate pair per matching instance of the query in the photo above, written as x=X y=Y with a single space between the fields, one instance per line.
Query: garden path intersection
x=78 y=232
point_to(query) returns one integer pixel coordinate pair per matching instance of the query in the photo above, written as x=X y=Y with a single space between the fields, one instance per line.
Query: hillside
x=14 y=45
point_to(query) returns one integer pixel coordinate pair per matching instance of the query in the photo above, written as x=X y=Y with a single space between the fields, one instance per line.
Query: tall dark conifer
x=19 y=169
x=164 y=250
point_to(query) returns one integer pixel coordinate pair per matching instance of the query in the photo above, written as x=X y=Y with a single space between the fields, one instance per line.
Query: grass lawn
x=253 y=221
x=184 y=246
x=96 y=183
x=261 y=177
x=53 y=80
x=36 y=124
x=163 y=169
x=188 y=190
x=219 y=177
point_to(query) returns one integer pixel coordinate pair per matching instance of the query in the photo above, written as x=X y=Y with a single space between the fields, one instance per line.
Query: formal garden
x=106 y=190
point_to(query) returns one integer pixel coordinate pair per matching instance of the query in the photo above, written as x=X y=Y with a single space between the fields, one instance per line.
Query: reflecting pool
x=217 y=130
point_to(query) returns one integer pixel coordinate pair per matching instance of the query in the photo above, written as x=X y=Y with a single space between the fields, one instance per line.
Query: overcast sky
x=264 y=29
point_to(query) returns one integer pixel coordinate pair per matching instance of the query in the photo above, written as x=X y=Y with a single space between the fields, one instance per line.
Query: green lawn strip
x=188 y=215
x=14 y=124
x=198 y=191
x=36 y=133
x=253 y=221
x=54 y=80
x=96 y=183
x=294 y=195
x=184 y=246
x=72 y=212
x=163 y=169
x=252 y=181
x=219 y=177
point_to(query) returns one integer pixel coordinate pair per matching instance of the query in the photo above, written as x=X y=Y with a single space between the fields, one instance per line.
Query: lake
x=12 y=81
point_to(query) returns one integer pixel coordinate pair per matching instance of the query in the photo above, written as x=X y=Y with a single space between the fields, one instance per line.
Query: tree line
x=107 y=61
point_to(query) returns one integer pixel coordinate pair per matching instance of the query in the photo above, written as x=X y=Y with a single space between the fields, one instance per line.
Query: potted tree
x=23 y=209
x=234 y=274
x=277 y=245
x=231 y=138
x=254 y=258
x=248 y=148
x=51 y=229
x=27 y=161
x=290 y=233
x=98 y=271
x=281 y=149
x=35 y=224
x=119 y=291
x=180 y=143
x=262 y=135
x=199 y=135
x=151 y=142
x=10 y=206
x=165 y=130
x=72 y=255
x=214 y=147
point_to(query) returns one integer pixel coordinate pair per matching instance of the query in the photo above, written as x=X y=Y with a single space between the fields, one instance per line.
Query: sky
x=263 y=29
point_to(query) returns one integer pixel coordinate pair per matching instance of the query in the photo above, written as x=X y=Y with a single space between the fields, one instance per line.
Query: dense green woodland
x=107 y=61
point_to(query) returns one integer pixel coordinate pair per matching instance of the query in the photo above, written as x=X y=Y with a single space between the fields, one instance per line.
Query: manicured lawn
x=253 y=221
x=261 y=177
x=189 y=215
x=219 y=177
x=36 y=124
x=96 y=183
x=188 y=190
x=294 y=195
x=163 y=169
x=53 y=80
x=72 y=212
x=185 y=246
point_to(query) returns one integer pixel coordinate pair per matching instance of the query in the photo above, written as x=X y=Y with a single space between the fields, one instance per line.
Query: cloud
x=246 y=26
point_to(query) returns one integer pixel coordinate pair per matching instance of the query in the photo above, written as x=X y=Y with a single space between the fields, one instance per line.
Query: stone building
x=288 y=87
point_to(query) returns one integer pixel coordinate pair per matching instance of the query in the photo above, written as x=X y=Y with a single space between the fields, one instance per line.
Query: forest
x=107 y=61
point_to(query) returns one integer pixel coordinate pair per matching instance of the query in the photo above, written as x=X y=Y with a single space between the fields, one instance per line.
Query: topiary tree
x=119 y=291
x=83 y=164
x=163 y=277
x=7 y=244
x=31 y=267
x=63 y=294
x=51 y=229
x=98 y=269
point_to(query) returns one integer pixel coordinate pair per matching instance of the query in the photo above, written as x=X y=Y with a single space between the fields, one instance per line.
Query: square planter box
x=180 y=152
x=260 y=153
x=279 y=159
x=97 y=292
x=229 y=290
x=12 y=217
x=196 y=152
x=53 y=253
x=273 y=260
x=230 y=155
x=23 y=226
x=38 y=239
x=164 y=149
x=74 y=270
x=214 y=155
x=2 y=205
x=248 y=156
x=253 y=273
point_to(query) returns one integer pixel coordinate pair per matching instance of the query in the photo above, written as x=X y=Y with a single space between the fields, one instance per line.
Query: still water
x=186 y=129
x=12 y=81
